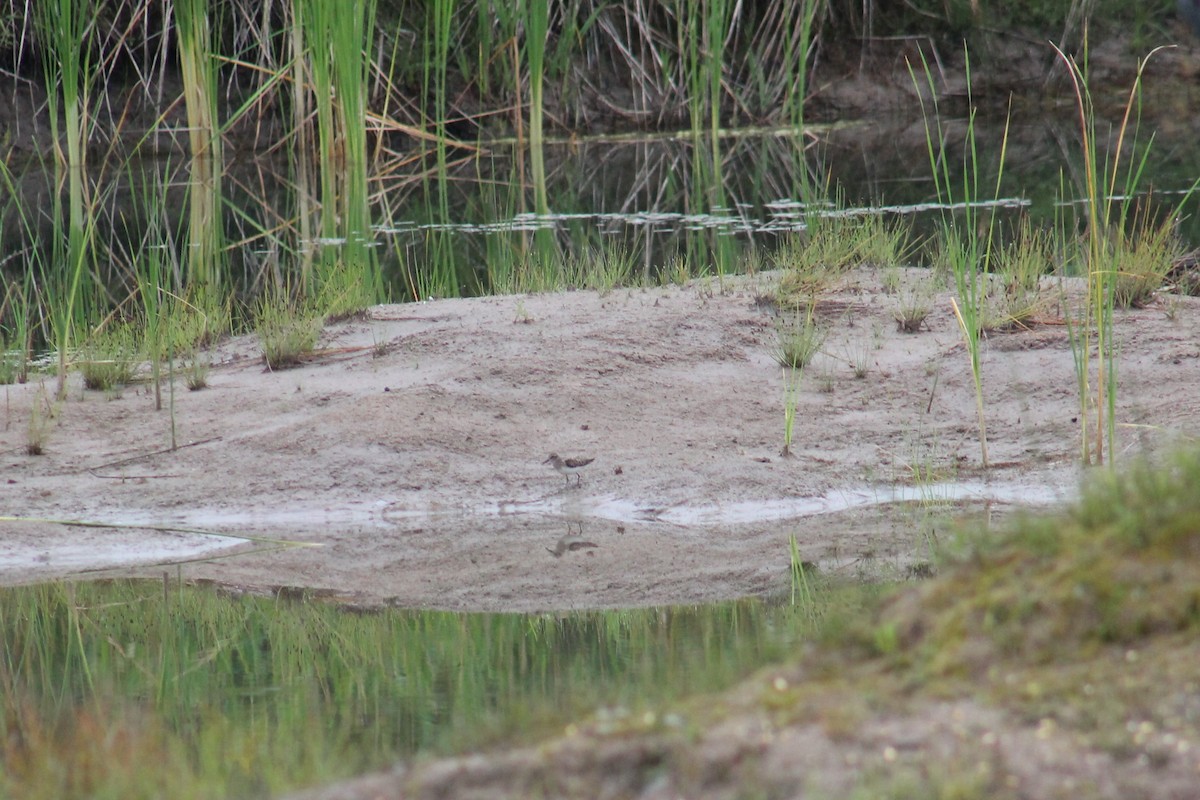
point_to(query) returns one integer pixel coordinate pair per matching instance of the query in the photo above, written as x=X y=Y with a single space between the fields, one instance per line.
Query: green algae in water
x=122 y=689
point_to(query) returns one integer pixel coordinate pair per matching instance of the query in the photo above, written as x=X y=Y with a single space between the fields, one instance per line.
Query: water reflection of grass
x=135 y=689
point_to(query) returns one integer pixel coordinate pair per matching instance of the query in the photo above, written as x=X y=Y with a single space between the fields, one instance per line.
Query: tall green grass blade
x=1113 y=230
x=967 y=253
x=64 y=32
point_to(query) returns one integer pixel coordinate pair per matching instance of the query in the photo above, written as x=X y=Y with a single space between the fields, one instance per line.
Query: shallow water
x=661 y=201
x=140 y=538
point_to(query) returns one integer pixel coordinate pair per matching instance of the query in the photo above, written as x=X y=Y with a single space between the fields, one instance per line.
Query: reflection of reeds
x=157 y=689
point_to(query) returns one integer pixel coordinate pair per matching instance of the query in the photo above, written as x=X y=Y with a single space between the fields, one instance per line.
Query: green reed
x=804 y=583
x=691 y=41
x=716 y=26
x=15 y=332
x=160 y=301
x=205 y=254
x=316 y=21
x=302 y=145
x=496 y=27
x=198 y=70
x=501 y=195
x=64 y=31
x=333 y=37
x=710 y=246
x=797 y=42
x=791 y=399
x=352 y=29
x=16 y=310
x=682 y=63
x=438 y=276
x=1109 y=187
x=966 y=250
x=144 y=689
x=537 y=20
x=152 y=284
x=536 y=23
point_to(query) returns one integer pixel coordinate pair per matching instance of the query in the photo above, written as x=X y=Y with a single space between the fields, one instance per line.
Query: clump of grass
x=108 y=359
x=1019 y=267
x=858 y=356
x=8 y=363
x=602 y=268
x=831 y=245
x=342 y=292
x=15 y=332
x=677 y=270
x=186 y=326
x=891 y=280
x=195 y=372
x=42 y=413
x=287 y=329
x=529 y=272
x=799 y=339
x=1143 y=259
x=914 y=302
x=989 y=301
x=825 y=379
x=754 y=261
x=881 y=243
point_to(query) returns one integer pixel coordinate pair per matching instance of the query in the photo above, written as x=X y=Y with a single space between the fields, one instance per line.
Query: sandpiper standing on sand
x=568 y=466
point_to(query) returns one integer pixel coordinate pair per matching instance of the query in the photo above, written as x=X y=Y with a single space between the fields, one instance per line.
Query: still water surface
x=354 y=690
x=450 y=229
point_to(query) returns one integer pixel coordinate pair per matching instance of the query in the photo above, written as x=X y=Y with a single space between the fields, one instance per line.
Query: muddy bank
x=410 y=448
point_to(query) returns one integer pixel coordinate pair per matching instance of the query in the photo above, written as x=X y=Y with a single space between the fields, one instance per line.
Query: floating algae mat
x=133 y=688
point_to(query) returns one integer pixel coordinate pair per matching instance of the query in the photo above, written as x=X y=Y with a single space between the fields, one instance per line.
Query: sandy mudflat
x=410 y=448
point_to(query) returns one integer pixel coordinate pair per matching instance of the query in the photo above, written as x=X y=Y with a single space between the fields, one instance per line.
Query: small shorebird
x=568 y=466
